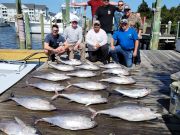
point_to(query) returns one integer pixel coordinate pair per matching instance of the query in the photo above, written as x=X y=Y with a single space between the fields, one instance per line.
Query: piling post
x=166 y=29
x=169 y=27
x=42 y=29
x=156 y=26
x=177 y=35
x=27 y=30
x=20 y=24
x=67 y=12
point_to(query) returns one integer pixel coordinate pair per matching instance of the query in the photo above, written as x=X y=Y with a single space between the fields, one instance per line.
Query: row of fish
x=71 y=121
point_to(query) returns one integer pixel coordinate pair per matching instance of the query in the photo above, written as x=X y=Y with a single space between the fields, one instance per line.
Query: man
x=73 y=36
x=96 y=40
x=94 y=5
x=54 y=44
x=135 y=22
x=127 y=46
x=118 y=15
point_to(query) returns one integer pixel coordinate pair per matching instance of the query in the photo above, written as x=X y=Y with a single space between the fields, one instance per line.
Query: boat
x=11 y=72
x=3 y=23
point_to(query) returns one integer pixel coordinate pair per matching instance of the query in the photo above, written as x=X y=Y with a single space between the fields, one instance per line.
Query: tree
x=144 y=10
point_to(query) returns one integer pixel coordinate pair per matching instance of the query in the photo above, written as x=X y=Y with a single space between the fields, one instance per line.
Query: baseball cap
x=96 y=22
x=126 y=7
x=124 y=21
x=74 y=20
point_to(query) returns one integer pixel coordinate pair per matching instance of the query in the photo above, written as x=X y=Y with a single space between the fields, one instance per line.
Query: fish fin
x=20 y=122
x=69 y=85
x=88 y=104
x=55 y=96
x=93 y=111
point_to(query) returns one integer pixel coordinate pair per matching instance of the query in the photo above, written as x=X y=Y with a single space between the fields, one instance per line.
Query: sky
x=54 y=5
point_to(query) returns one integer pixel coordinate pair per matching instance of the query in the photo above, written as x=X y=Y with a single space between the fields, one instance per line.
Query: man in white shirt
x=96 y=40
x=73 y=36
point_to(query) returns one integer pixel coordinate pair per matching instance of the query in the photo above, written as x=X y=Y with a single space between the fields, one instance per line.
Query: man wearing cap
x=127 y=44
x=118 y=14
x=54 y=44
x=135 y=22
x=73 y=36
x=96 y=40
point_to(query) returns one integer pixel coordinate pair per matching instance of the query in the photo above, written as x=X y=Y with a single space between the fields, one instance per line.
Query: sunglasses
x=120 y=4
x=75 y=22
x=55 y=30
x=105 y=0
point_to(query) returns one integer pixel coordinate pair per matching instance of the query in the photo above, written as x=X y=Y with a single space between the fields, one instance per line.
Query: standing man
x=105 y=15
x=54 y=44
x=94 y=5
x=118 y=15
x=135 y=22
x=96 y=40
x=127 y=46
x=73 y=36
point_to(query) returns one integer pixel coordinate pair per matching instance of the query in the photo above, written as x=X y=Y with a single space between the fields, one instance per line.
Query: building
x=8 y=11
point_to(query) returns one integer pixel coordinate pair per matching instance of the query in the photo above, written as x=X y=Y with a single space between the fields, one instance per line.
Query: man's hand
x=112 y=47
x=97 y=46
x=76 y=47
x=60 y=49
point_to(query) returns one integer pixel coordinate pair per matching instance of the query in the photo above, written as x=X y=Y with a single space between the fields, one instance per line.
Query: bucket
x=174 y=107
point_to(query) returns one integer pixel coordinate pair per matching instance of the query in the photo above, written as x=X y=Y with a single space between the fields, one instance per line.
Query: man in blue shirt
x=127 y=44
x=54 y=44
x=118 y=15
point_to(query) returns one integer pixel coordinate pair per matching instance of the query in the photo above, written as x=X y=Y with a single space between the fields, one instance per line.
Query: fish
x=93 y=86
x=136 y=93
x=82 y=74
x=17 y=127
x=62 y=67
x=53 y=76
x=50 y=87
x=120 y=80
x=70 y=121
x=72 y=62
x=89 y=67
x=83 y=98
x=33 y=103
x=129 y=112
x=117 y=71
x=111 y=65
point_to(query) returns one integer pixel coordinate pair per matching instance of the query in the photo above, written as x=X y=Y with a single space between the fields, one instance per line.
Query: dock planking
x=155 y=71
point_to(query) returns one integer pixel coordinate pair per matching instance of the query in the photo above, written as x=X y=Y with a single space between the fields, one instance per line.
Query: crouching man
x=54 y=44
x=96 y=40
x=126 y=39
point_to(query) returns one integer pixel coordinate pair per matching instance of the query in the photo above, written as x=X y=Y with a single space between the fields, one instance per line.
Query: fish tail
x=93 y=111
x=7 y=98
x=55 y=96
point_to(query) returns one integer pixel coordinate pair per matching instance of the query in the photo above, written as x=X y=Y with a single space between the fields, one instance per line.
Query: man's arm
x=79 y=4
x=136 y=48
x=47 y=47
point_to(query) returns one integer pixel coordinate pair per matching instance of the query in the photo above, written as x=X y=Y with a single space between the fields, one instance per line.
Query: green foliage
x=144 y=10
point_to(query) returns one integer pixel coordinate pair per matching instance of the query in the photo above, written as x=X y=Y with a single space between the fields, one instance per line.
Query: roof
x=30 y=6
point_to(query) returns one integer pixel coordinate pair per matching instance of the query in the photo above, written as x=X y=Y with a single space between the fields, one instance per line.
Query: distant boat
x=35 y=26
x=3 y=23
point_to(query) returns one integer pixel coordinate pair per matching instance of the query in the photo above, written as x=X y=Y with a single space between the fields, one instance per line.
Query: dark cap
x=124 y=21
x=126 y=7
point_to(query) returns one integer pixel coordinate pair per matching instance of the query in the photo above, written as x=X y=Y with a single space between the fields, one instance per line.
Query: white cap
x=74 y=20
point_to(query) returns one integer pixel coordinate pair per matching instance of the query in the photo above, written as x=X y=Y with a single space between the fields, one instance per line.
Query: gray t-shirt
x=72 y=35
x=53 y=41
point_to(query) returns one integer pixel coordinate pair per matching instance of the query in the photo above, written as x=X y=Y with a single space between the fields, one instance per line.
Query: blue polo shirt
x=53 y=41
x=126 y=39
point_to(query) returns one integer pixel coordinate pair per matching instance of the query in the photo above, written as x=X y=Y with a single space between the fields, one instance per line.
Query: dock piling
x=27 y=30
x=169 y=27
x=177 y=35
x=42 y=29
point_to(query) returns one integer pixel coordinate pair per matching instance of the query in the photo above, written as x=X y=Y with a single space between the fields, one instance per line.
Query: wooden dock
x=155 y=71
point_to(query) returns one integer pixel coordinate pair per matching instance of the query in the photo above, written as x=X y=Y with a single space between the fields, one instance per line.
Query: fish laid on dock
x=135 y=93
x=93 y=86
x=70 y=121
x=17 y=127
x=62 y=67
x=50 y=87
x=120 y=80
x=84 y=74
x=117 y=71
x=129 y=112
x=83 y=98
x=72 y=62
x=33 y=103
x=111 y=65
x=53 y=76
x=89 y=67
